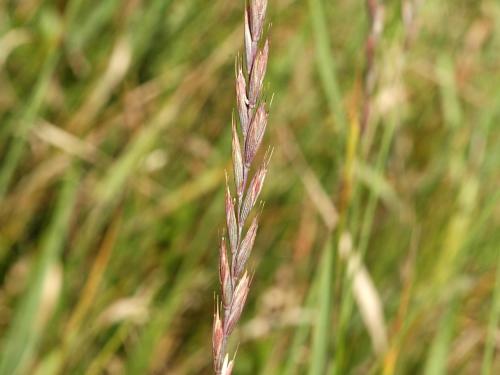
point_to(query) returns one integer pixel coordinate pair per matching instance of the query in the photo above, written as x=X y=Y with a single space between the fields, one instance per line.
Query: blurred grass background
x=114 y=139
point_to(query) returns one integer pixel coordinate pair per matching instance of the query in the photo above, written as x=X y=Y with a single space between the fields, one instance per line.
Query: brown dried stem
x=253 y=115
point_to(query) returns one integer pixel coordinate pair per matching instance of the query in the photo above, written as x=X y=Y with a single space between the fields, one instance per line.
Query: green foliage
x=114 y=137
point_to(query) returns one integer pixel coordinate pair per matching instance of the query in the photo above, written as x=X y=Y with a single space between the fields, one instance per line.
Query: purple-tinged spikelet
x=225 y=275
x=255 y=134
x=253 y=116
x=246 y=248
x=242 y=101
x=237 y=161
x=239 y=299
x=258 y=73
x=232 y=226
x=254 y=190
x=217 y=339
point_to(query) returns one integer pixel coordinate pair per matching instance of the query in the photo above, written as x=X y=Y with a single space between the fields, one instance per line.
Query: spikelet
x=253 y=116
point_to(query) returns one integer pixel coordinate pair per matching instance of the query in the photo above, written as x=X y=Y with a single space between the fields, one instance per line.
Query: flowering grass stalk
x=253 y=115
